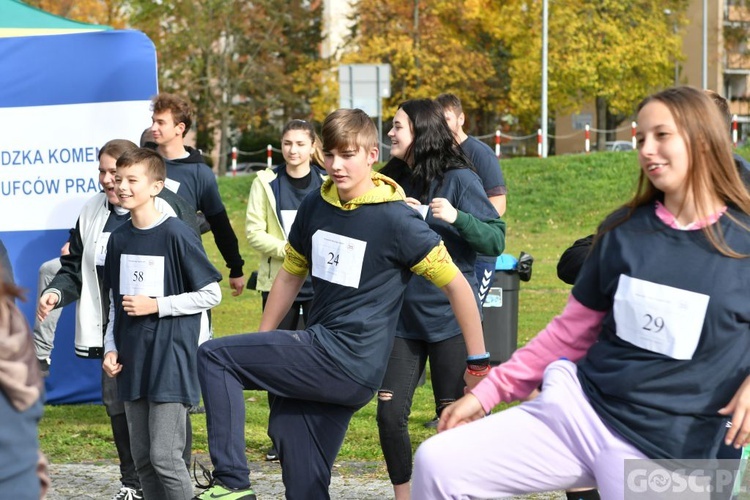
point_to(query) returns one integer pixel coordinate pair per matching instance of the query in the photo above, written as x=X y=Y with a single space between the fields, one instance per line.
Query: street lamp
x=668 y=13
x=704 y=65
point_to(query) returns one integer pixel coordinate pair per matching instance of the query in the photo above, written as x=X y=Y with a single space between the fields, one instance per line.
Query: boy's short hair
x=450 y=101
x=347 y=129
x=181 y=110
x=116 y=147
x=154 y=163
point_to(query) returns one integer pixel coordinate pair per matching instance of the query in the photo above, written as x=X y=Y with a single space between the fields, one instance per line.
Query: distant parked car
x=246 y=168
x=619 y=146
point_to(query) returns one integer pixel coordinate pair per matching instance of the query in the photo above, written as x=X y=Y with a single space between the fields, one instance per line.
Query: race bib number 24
x=337 y=259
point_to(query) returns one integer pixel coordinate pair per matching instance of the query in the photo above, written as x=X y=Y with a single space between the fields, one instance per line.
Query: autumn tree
x=432 y=48
x=612 y=51
x=237 y=61
x=108 y=12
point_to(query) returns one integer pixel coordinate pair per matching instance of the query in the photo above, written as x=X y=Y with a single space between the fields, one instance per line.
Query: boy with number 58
x=160 y=284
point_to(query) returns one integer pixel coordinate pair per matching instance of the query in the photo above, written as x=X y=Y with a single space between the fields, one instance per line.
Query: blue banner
x=61 y=98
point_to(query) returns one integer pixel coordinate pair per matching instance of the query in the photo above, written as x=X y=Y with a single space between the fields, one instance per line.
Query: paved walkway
x=357 y=482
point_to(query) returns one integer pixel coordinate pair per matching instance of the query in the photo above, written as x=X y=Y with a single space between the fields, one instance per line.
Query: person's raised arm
x=438 y=267
x=464 y=304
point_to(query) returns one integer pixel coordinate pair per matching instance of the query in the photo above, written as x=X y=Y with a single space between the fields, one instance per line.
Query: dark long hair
x=434 y=149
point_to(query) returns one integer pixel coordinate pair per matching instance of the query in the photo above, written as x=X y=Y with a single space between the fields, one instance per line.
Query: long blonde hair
x=711 y=171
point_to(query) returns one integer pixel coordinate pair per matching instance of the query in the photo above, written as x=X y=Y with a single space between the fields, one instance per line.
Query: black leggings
x=406 y=363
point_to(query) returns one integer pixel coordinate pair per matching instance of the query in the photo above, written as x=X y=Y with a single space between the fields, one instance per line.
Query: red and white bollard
x=587 y=141
x=632 y=135
x=234 y=160
x=269 y=161
x=539 y=142
x=734 y=130
x=497 y=143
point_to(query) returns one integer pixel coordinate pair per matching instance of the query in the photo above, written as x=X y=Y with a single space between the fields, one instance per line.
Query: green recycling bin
x=500 y=311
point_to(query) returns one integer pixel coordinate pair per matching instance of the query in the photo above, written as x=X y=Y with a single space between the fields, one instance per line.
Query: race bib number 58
x=337 y=259
x=659 y=318
x=142 y=275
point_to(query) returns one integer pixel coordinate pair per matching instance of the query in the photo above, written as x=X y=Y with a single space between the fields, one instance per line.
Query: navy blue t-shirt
x=355 y=322
x=667 y=406
x=289 y=198
x=426 y=313
x=196 y=183
x=486 y=164
x=158 y=355
x=488 y=168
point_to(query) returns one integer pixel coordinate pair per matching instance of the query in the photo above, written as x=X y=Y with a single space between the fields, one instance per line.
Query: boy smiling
x=160 y=283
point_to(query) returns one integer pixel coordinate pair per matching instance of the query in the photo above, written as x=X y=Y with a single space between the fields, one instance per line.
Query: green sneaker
x=218 y=490
x=215 y=489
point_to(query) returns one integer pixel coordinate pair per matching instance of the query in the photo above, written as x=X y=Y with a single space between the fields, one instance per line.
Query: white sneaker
x=126 y=493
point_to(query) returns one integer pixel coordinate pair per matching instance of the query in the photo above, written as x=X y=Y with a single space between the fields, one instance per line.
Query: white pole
x=380 y=113
x=704 y=66
x=545 y=23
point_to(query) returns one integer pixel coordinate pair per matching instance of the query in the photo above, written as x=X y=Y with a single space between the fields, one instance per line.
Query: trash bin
x=500 y=311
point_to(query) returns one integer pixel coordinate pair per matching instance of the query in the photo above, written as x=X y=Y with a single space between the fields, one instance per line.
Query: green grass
x=551 y=203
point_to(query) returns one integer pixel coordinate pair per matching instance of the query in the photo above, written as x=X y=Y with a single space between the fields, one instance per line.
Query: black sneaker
x=432 y=424
x=44 y=366
x=272 y=455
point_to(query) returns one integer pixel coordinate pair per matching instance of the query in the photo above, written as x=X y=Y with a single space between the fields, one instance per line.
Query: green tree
x=237 y=61
x=613 y=51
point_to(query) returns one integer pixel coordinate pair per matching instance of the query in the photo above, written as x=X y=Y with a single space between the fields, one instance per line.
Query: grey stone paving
x=101 y=481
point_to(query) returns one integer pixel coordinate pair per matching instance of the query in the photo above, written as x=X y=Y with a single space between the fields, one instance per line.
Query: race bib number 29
x=337 y=259
x=659 y=318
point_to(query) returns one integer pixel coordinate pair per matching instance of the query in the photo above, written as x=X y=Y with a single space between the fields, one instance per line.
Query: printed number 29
x=653 y=324
x=333 y=259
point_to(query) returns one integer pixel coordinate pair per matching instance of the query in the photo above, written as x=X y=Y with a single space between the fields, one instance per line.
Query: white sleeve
x=190 y=302
x=109 y=336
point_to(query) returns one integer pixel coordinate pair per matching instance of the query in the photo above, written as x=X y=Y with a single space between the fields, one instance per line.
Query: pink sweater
x=568 y=335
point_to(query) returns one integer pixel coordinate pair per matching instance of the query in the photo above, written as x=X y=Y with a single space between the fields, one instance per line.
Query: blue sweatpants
x=314 y=401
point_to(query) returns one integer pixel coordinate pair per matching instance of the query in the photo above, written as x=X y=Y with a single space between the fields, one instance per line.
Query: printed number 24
x=333 y=259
